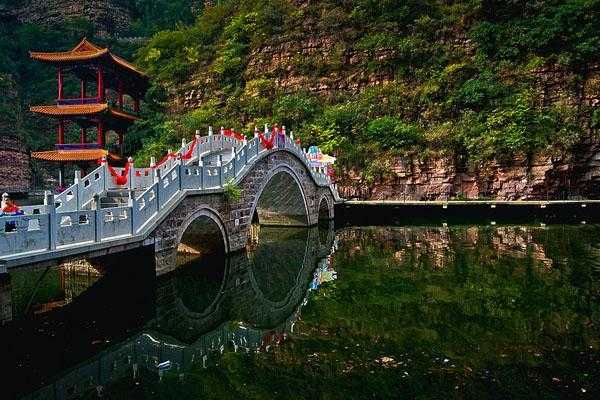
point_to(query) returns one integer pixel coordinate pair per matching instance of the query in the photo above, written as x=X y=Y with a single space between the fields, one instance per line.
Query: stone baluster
x=256 y=132
x=104 y=172
x=131 y=174
x=220 y=169
x=198 y=148
x=52 y=226
x=76 y=181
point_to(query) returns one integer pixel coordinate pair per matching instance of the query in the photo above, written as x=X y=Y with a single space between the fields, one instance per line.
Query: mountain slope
x=464 y=85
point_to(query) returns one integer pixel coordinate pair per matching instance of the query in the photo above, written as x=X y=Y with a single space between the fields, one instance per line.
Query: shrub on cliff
x=393 y=133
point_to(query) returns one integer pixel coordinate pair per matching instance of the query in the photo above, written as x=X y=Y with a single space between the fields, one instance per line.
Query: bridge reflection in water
x=247 y=301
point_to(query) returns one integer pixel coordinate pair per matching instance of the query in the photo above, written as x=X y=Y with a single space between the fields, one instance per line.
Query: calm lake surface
x=370 y=312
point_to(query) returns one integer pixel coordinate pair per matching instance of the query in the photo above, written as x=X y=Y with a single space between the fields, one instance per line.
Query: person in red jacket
x=8 y=207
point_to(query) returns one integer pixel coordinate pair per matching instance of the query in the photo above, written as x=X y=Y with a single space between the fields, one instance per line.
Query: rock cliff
x=15 y=162
x=312 y=54
x=110 y=17
x=14 y=157
x=540 y=177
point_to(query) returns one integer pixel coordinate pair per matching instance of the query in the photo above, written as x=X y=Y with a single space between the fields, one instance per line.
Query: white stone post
x=198 y=149
x=131 y=174
x=152 y=162
x=51 y=210
x=210 y=131
x=104 y=172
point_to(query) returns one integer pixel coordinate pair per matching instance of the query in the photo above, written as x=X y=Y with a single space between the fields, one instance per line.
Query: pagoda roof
x=73 y=155
x=85 y=51
x=67 y=110
x=75 y=110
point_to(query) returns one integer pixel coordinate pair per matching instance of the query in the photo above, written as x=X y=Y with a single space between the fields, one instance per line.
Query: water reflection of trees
x=438 y=246
x=490 y=310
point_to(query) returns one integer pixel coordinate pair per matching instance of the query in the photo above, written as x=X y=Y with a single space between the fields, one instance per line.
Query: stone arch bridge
x=203 y=198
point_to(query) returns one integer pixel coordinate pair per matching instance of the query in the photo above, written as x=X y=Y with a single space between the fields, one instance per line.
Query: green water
x=388 y=312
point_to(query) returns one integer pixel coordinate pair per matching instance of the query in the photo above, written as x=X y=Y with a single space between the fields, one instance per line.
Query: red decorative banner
x=233 y=134
x=119 y=179
x=188 y=154
x=267 y=143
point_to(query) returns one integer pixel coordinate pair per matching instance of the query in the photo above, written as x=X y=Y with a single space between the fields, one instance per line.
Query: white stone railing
x=74 y=217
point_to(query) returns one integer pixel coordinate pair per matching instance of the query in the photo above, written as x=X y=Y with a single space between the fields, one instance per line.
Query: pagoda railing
x=74 y=218
x=77 y=101
x=77 y=146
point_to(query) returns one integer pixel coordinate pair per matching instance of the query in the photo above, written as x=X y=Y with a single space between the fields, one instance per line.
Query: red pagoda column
x=120 y=94
x=136 y=105
x=61 y=131
x=82 y=136
x=121 y=143
x=82 y=89
x=100 y=139
x=60 y=84
x=100 y=84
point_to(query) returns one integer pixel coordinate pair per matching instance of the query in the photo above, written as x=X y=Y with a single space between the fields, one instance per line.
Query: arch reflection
x=258 y=300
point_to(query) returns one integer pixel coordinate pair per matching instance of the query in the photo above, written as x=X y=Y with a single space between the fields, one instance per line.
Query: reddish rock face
x=14 y=166
x=108 y=16
x=541 y=177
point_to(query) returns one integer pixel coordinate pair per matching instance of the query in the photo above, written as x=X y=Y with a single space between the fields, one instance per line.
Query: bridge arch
x=281 y=199
x=325 y=210
x=203 y=233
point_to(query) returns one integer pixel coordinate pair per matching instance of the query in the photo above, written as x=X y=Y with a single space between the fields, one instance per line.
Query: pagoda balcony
x=77 y=146
x=78 y=101
x=126 y=108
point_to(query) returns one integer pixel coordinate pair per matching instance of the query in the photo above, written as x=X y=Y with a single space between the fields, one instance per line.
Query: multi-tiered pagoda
x=111 y=106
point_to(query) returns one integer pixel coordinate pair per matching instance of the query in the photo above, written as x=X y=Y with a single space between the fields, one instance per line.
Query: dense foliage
x=461 y=79
x=464 y=75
